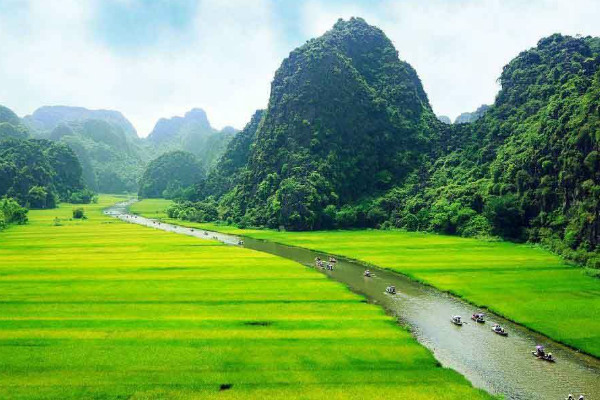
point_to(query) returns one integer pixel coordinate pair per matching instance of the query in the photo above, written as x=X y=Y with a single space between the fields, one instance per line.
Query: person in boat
x=539 y=351
x=367 y=273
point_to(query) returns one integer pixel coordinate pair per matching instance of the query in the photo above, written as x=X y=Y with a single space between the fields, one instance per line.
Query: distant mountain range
x=111 y=153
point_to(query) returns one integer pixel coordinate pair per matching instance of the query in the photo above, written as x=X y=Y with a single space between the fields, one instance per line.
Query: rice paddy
x=524 y=283
x=99 y=308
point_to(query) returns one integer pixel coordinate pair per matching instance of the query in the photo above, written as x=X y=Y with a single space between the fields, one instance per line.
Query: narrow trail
x=500 y=365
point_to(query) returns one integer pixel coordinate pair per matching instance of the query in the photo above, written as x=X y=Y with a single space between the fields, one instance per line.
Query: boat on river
x=390 y=290
x=456 y=320
x=499 y=330
x=367 y=273
x=478 y=317
x=541 y=354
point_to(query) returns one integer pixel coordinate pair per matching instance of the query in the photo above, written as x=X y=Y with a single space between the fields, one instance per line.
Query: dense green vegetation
x=524 y=283
x=528 y=169
x=99 y=308
x=39 y=173
x=349 y=140
x=112 y=156
x=11 y=213
x=169 y=174
x=345 y=118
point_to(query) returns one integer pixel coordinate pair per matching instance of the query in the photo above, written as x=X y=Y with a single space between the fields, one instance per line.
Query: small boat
x=240 y=242
x=329 y=267
x=456 y=320
x=332 y=260
x=205 y=233
x=499 y=330
x=540 y=354
x=390 y=290
x=367 y=273
x=478 y=317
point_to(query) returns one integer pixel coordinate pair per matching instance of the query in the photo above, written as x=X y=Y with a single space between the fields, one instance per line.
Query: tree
x=177 y=166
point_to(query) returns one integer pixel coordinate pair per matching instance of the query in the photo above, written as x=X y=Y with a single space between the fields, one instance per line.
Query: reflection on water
x=501 y=365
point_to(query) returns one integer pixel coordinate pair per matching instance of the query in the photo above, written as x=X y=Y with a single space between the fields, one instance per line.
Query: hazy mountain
x=11 y=125
x=468 y=117
x=46 y=118
x=445 y=119
x=192 y=133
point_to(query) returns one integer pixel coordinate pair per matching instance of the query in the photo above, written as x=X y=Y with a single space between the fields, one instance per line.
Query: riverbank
x=98 y=308
x=526 y=284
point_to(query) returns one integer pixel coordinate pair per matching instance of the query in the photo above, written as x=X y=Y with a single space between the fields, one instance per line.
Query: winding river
x=500 y=365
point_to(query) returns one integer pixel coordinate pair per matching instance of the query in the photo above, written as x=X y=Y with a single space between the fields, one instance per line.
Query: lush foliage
x=529 y=168
x=79 y=213
x=169 y=174
x=84 y=196
x=11 y=213
x=111 y=159
x=349 y=140
x=346 y=119
x=108 y=310
x=38 y=173
x=112 y=156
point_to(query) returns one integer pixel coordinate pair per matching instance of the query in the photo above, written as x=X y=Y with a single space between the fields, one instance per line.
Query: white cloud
x=226 y=59
x=51 y=57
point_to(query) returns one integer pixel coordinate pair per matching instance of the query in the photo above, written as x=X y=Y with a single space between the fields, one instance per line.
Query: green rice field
x=524 y=283
x=102 y=309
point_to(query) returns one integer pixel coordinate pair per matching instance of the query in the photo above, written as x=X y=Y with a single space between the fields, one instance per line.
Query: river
x=500 y=365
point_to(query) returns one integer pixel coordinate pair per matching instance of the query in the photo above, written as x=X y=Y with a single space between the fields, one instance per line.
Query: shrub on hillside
x=79 y=213
x=12 y=212
x=84 y=196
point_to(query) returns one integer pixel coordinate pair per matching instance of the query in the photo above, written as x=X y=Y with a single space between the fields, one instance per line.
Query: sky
x=159 y=58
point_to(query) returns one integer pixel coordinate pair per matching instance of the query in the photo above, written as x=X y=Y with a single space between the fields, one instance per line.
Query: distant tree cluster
x=11 y=213
x=171 y=173
x=37 y=173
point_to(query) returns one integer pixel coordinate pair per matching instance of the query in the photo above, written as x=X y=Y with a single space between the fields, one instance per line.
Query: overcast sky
x=159 y=58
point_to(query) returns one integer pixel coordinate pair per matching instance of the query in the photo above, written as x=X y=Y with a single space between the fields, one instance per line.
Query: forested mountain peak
x=11 y=125
x=7 y=115
x=346 y=118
